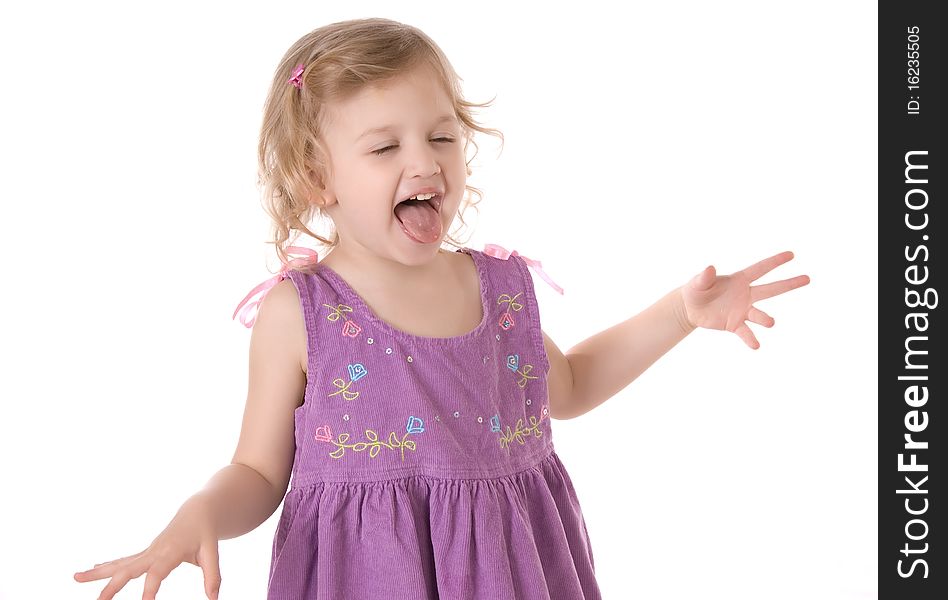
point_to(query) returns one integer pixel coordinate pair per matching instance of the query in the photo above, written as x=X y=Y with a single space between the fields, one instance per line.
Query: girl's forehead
x=404 y=100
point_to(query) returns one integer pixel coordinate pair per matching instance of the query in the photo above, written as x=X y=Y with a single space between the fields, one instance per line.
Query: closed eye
x=382 y=151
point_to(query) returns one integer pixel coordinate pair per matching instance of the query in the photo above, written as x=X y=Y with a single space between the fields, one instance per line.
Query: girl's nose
x=422 y=161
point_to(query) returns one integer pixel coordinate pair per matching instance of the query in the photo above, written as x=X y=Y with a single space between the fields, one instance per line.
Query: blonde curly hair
x=339 y=59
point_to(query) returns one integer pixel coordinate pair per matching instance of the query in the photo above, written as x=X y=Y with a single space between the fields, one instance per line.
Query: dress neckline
x=356 y=300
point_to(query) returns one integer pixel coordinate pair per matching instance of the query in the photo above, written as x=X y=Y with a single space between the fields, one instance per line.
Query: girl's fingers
x=100 y=571
x=117 y=562
x=758 y=270
x=156 y=573
x=758 y=316
x=118 y=581
x=744 y=332
x=759 y=292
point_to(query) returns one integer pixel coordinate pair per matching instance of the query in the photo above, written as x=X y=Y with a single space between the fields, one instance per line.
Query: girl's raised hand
x=726 y=302
x=188 y=538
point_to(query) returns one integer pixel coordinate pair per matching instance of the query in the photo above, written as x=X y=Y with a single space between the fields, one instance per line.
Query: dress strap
x=498 y=251
x=249 y=313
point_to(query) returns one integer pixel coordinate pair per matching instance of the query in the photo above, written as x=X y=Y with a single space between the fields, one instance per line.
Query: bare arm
x=236 y=500
x=245 y=493
x=601 y=366
x=596 y=369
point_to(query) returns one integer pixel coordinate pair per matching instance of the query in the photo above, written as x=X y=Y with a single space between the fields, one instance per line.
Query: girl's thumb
x=703 y=280
x=212 y=590
x=212 y=587
x=210 y=564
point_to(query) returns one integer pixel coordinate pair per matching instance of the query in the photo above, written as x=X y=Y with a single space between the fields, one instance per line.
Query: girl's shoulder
x=281 y=313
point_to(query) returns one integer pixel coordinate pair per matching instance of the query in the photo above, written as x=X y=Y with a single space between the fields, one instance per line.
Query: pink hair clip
x=498 y=251
x=297 y=78
x=249 y=313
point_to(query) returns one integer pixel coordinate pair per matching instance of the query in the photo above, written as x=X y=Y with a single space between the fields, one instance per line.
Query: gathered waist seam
x=311 y=479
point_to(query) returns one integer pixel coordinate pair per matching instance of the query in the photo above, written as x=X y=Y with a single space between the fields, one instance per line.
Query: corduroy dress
x=424 y=467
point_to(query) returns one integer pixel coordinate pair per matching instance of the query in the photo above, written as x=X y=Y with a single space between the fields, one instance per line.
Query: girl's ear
x=322 y=199
x=319 y=195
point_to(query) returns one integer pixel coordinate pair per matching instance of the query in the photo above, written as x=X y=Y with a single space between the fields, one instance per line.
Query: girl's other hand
x=188 y=538
x=726 y=302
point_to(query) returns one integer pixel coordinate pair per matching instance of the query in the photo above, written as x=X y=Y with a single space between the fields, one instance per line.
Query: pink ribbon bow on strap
x=248 y=315
x=500 y=252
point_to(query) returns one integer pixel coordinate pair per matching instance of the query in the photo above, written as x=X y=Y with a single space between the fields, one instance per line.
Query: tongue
x=419 y=220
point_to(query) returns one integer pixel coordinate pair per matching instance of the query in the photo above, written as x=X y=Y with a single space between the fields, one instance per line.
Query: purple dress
x=424 y=467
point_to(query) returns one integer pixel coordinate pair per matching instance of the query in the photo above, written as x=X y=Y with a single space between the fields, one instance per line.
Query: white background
x=643 y=142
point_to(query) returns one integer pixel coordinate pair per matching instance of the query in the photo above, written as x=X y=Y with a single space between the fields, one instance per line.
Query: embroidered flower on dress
x=415 y=425
x=506 y=321
x=513 y=363
x=350 y=329
x=374 y=444
x=356 y=372
x=323 y=434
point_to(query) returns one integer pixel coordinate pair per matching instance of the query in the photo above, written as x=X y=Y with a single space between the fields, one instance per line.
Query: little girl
x=408 y=390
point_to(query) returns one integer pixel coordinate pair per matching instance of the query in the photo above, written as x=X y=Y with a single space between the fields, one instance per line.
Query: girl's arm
x=259 y=472
x=601 y=366
x=245 y=493
x=597 y=368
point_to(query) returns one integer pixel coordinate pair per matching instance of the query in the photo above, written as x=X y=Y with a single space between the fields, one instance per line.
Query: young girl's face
x=385 y=144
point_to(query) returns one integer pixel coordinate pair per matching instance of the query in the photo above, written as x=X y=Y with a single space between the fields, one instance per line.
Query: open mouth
x=434 y=202
x=420 y=219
